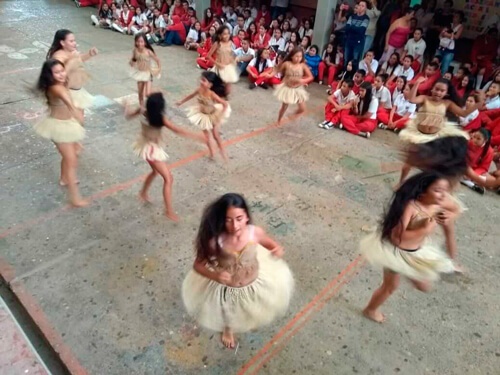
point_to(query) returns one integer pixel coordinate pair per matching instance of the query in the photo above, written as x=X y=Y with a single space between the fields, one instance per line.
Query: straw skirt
x=216 y=306
x=411 y=134
x=81 y=98
x=291 y=95
x=149 y=151
x=60 y=131
x=424 y=264
x=206 y=121
x=228 y=74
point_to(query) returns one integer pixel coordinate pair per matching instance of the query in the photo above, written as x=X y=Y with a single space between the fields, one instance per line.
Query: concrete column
x=201 y=5
x=325 y=13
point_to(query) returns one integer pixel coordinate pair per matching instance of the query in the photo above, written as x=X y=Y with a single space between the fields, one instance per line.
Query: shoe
x=329 y=126
x=364 y=134
x=251 y=86
x=265 y=86
x=320 y=82
x=341 y=126
x=322 y=124
x=382 y=126
x=478 y=189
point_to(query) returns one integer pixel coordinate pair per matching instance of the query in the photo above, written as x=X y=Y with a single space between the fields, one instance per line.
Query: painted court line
x=16 y=228
x=299 y=320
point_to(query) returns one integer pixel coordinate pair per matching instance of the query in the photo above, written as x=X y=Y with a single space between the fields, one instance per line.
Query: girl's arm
x=131 y=113
x=211 y=52
x=462 y=112
x=308 y=77
x=413 y=97
x=132 y=59
x=62 y=93
x=391 y=115
x=204 y=269
x=458 y=34
x=156 y=59
x=218 y=99
x=91 y=53
x=387 y=36
x=184 y=133
x=187 y=98
x=267 y=242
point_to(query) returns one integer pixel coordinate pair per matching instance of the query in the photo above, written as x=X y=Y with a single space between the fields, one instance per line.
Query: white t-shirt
x=416 y=48
x=260 y=68
x=254 y=12
x=279 y=42
x=372 y=108
x=403 y=106
x=294 y=22
x=395 y=94
x=493 y=103
x=341 y=99
x=364 y=66
x=447 y=43
x=193 y=34
x=463 y=121
x=409 y=73
x=160 y=22
x=239 y=52
x=139 y=20
x=248 y=22
x=384 y=96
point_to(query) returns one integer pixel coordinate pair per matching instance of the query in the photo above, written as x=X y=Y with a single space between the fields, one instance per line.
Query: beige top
x=142 y=60
x=206 y=105
x=293 y=74
x=241 y=264
x=77 y=76
x=430 y=117
x=58 y=109
x=152 y=134
x=225 y=54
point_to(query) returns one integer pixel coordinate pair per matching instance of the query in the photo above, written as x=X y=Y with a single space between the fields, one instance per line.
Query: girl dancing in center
x=150 y=146
x=238 y=283
x=211 y=111
x=142 y=59
x=296 y=75
x=63 y=126
x=402 y=246
x=63 y=48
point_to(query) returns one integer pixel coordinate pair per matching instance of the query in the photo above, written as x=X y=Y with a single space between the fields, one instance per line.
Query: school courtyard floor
x=103 y=283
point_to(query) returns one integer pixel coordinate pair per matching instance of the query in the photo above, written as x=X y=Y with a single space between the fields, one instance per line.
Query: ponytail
x=487 y=136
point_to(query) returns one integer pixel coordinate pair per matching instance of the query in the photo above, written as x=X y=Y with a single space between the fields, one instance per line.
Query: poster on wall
x=476 y=11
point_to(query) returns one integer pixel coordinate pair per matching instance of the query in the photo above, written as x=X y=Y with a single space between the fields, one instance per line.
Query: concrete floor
x=104 y=282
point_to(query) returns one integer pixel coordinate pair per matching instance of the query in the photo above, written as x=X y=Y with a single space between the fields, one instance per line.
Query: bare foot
x=279 y=123
x=228 y=338
x=144 y=197
x=458 y=268
x=172 y=216
x=79 y=203
x=224 y=157
x=374 y=315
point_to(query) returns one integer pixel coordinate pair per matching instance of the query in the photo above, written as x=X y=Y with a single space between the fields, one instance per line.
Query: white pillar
x=201 y=5
x=325 y=14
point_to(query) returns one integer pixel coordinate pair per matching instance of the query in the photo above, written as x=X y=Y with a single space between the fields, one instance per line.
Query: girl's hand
x=178 y=104
x=93 y=51
x=420 y=80
x=224 y=277
x=278 y=251
x=443 y=217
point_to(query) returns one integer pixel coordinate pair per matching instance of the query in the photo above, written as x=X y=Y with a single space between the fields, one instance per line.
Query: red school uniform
x=261 y=41
x=266 y=16
x=494 y=128
x=425 y=87
x=474 y=152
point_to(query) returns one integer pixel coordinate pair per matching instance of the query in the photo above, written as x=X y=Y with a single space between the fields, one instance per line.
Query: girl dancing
x=224 y=63
x=238 y=282
x=211 y=111
x=150 y=146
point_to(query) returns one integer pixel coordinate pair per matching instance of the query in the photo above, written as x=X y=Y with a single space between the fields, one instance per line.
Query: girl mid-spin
x=63 y=48
x=238 y=283
x=150 y=146
x=211 y=110
x=142 y=60
x=401 y=246
x=291 y=90
x=63 y=126
x=222 y=57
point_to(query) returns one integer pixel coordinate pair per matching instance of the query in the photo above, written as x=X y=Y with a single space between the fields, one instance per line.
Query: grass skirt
x=60 y=131
x=141 y=75
x=411 y=134
x=425 y=264
x=229 y=73
x=81 y=98
x=216 y=306
x=206 y=121
x=149 y=151
x=291 y=95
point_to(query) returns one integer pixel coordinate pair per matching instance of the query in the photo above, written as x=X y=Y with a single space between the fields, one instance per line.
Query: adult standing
x=442 y=19
x=397 y=35
x=373 y=13
x=355 y=30
x=447 y=38
x=279 y=7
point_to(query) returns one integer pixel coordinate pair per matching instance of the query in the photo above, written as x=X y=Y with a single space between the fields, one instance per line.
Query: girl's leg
x=140 y=91
x=208 y=141
x=68 y=172
x=389 y=286
x=282 y=112
x=321 y=72
x=423 y=286
x=228 y=338
x=301 y=108
x=228 y=89
x=405 y=170
x=143 y=194
x=218 y=139
x=162 y=168
x=147 y=89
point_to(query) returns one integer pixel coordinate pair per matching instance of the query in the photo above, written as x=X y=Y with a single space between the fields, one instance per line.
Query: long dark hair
x=411 y=189
x=198 y=39
x=332 y=55
x=218 y=85
x=213 y=225
x=46 y=79
x=259 y=59
x=452 y=92
x=296 y=50
x=207 y=20
x=487 y=136
x=364 y=103
x=59 y=36
x=218 y=33
x=146 y=43
x=155 y=109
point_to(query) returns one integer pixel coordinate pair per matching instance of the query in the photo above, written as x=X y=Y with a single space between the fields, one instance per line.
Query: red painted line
x=16 y=228
x=278 y=348
x=55 y=340
x=295 y=320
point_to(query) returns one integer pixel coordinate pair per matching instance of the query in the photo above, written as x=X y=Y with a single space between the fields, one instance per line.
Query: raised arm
x=187 y=98
x=463 y=112
x=182 y=132
x=91 y=53
x=414 y=98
